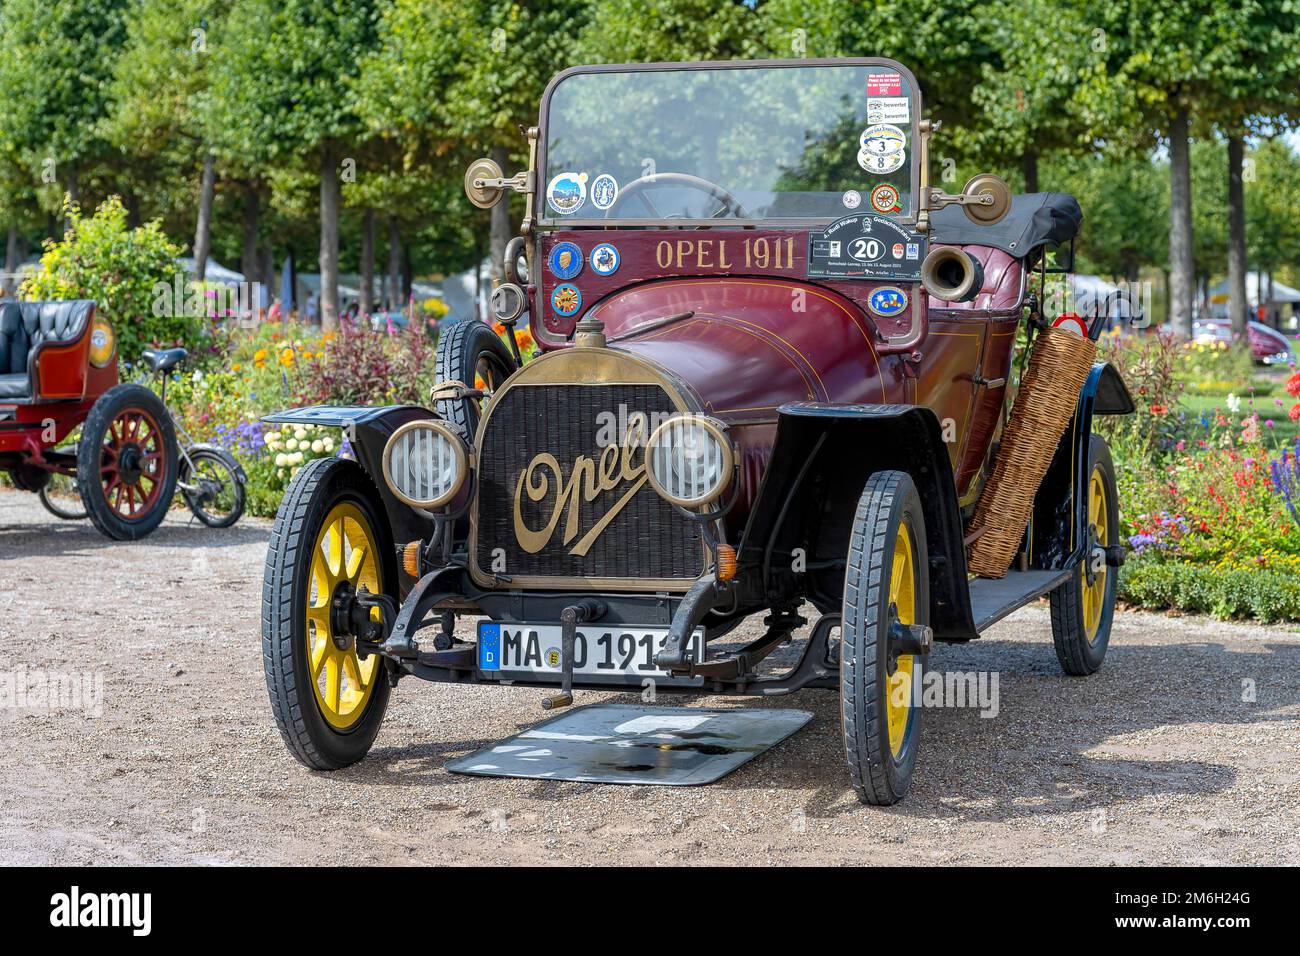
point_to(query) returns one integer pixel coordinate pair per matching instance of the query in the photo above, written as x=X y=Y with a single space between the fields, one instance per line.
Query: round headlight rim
x=462 y=463
x=715 y=428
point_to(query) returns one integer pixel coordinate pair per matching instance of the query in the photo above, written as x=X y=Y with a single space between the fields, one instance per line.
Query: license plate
x=620 y=654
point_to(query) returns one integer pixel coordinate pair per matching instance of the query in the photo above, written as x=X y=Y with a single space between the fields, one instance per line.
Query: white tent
x=215 y=271
x=1256 y=291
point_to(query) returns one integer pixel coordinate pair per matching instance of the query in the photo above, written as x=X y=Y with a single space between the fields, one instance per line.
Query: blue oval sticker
x=887 y=301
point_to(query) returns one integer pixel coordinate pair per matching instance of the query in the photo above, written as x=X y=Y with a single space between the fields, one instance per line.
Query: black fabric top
x=1035 y=219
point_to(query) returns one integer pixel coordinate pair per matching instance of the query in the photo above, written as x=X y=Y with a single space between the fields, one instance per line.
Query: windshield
x=718 y=143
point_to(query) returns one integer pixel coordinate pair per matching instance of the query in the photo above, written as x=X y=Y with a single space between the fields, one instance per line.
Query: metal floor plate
x=636 y=743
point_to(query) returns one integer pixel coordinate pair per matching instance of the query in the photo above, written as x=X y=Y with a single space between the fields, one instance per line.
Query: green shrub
x=102 y=258
x=1268 y=596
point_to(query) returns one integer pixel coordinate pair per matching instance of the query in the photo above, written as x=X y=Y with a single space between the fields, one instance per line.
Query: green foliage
x=102 y=258
x=1266 y=595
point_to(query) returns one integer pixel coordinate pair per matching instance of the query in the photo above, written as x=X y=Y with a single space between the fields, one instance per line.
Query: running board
x=992 y=600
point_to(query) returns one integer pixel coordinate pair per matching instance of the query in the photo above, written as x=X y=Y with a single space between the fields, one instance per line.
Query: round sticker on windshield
x=604 y=191
x=882 y=139
x=567 y=192
x=852 y=199
x=885 y=199
x=881 y=165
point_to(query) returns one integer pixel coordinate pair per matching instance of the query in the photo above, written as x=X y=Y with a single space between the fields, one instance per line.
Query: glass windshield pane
x=800 y=142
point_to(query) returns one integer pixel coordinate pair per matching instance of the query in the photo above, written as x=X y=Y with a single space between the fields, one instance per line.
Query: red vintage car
x=776 y=368
x=58 y=371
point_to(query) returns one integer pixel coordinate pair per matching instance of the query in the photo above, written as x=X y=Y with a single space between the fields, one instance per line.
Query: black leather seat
x=163 y=360
x=24 y=328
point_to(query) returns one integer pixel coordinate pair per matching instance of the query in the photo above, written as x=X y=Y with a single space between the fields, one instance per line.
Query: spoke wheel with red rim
x=126 y=462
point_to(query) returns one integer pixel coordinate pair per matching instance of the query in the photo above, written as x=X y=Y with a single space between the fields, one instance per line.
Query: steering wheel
x=726 y=201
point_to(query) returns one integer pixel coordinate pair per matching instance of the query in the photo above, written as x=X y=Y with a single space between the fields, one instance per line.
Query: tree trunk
x=1182 y=266
x=394 y=265
x=207 y=187
x=249 y=260
x=266 y=274
x=408 y=277
x=1236 y=239
x=1029 y=162
x=367 y=262
x=329 y=239
x=499 y=224
x=9 y=283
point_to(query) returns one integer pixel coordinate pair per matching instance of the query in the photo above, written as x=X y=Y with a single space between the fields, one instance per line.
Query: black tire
x=469 y=350
x=889 y=506
x=94 y=455
x=218 y=502
x=1081 y=649
x=318 y=488
x=61 y=497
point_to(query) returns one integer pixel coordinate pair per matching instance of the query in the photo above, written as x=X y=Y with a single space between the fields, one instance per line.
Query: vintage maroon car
x=58 y=371
x=775 y=367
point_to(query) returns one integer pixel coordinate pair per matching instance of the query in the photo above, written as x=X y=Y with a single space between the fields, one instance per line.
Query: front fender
x=821 y=459
x=367 y=429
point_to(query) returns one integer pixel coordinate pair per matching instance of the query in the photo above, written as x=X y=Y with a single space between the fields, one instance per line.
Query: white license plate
x=615 y=654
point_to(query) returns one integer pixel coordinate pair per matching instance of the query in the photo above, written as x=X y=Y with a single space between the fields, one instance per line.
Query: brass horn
x=952 y=275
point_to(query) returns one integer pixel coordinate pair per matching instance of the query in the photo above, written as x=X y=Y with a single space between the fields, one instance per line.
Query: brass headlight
x=103 y=343
x=689 y=460
x=425 y=463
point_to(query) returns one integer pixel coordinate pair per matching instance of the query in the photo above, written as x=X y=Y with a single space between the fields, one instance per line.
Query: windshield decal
x=567 y=192
x=604 y=191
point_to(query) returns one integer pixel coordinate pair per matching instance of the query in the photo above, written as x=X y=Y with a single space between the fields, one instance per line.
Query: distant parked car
x=1268 y=346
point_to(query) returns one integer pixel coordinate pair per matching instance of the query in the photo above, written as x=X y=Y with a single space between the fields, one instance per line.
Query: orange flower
x=1159 y=409
x=286 y=357
x=1293 y=385
x=236 y=367
x=498 y=328
x=1295 y=412
x=482 y=385
x=524 y=338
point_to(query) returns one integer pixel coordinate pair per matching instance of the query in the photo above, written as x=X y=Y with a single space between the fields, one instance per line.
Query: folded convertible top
x=1035 y=219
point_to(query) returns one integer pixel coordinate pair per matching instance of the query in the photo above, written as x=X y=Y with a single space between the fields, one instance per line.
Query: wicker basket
x=1058 y=365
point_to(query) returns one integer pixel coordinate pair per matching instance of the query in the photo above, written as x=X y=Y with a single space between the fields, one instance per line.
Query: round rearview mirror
x=989 y=211
x=507 y=303
x=479 y=172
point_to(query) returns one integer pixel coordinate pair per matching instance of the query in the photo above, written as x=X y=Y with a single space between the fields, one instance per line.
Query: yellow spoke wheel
x=885 y=584
x=345 y=553
x=330 y=539
x=1083 y=608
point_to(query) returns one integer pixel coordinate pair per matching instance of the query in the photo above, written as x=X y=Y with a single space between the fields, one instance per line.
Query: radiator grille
x=645 y=539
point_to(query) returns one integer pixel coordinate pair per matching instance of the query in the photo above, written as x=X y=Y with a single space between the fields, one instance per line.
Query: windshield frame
x=546 y=222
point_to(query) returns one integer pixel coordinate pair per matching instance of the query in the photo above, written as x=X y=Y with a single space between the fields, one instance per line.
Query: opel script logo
x=587 y=480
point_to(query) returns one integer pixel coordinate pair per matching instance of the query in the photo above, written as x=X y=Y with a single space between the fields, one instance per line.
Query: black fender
x=821 y=459
x=367 y=429
x=1058 y=534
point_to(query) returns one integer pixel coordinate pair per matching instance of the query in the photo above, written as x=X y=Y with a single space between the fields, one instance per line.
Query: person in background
x=311 y=308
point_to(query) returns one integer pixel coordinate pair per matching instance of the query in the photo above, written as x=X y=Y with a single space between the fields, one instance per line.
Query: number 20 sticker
x=866 y=250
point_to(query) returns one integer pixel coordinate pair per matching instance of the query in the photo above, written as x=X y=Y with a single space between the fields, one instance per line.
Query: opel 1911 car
x=58 y=371
x=780 y=374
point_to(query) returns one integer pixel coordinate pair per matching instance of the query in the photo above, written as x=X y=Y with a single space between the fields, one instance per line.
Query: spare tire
x=470 y=352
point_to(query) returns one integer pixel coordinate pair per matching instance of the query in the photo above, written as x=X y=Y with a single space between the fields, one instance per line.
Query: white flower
x=300 y=434
x=328 y=444
x=281 y=460
x=295 y=458
x=318 y=446
x=291 y=444
x=272 y=437
x=1234 y=403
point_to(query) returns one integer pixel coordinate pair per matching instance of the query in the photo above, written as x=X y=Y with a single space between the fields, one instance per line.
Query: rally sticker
x=889 y=109
x=852 y=199
x=604 y=259
x=567 y=192
x=885 y=199
x=887 y=301
x=604 y=191
x=566 y=299
x=884 y=84
x=565 y=260
x=882 y=139
x=882 y=165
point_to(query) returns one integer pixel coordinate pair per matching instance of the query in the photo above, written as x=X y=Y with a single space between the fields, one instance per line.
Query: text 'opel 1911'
x=777 y=369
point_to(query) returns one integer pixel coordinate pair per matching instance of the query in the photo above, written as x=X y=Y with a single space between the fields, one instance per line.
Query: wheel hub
x=342 y=603
x=129 y=463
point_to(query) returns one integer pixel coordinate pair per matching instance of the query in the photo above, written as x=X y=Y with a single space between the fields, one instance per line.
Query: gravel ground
x=1156 y=759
